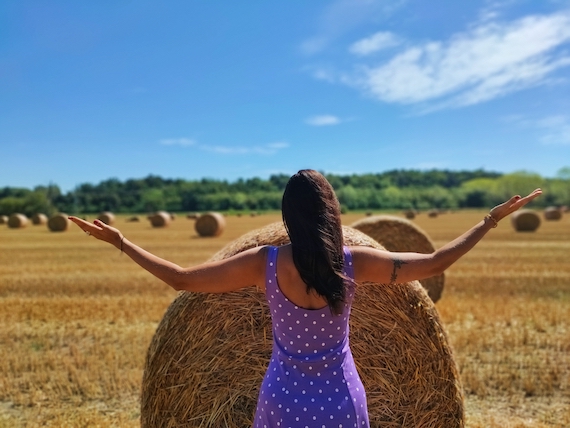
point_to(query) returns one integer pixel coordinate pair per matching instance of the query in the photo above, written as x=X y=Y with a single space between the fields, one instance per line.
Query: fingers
x=85 y=226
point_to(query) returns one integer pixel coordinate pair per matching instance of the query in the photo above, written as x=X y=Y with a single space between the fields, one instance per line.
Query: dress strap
x=271 y=268
x=348 y=267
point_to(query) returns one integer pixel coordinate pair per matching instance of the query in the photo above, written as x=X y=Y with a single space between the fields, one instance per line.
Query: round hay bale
x=525 y=220
x=209 y=354
x=410 y=214
x=552 y=213
x=160 y=219
x=17 y=221
x=133 y=219
x=3 y=219
x=401 y=235
x=433 y=213
x=58 y=222
x=210 y=224
x=192 y=216
x=172 y=216
x=39 y=219
x=106 y=217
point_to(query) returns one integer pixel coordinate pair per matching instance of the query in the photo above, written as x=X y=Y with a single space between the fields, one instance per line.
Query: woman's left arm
x=242 y=270
x=392 y=267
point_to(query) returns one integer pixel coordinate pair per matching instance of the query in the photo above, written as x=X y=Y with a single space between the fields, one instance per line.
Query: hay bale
x=192 y=216
x=210 y=224
x=209 y=354
x=106 y=217
x=17 y=221
x=58 y=222
x=3 y=219
x=525 y=220
x=133 y=219
x=160 y=219
x=400 y=235
x=410 y=214
x=39 y=219
x=433 y=213
x=552 y=213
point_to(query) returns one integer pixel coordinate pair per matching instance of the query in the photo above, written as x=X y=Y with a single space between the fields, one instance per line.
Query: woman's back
x=311 y=377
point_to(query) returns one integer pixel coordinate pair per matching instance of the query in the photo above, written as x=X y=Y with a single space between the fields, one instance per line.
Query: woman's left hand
x=516 y=202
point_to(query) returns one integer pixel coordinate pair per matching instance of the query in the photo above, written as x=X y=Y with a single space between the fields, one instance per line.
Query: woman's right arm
x=242 y=270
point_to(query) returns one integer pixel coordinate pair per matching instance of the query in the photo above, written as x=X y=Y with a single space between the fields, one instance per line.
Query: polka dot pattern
x=311 y=379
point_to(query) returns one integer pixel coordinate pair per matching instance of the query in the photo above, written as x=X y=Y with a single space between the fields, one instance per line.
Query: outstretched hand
x=99 y=230
x=516 y=202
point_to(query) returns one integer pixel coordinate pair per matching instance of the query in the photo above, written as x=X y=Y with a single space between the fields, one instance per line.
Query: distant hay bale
x=525 y=220
x=210 y=224
x=39 y=219
x=133 y=219
x=209 y=354
x=410 y=214
x=401 y=235
x=3 y=219
x=552 y=213
x=107 y=217
x=17 y=221
x=433 y=213
x=192 y=216
x=58 y=222
x=172 y=216
x=160 y=219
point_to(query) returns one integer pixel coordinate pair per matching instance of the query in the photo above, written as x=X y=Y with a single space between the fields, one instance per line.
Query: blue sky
x=223 y=89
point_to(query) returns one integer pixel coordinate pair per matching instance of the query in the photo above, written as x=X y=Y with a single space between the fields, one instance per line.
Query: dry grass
x=77 y=318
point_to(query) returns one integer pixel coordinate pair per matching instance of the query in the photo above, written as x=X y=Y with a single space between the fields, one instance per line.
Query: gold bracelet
x=490 y=217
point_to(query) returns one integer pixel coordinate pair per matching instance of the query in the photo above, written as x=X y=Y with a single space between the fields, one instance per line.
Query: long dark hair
x=311 y=214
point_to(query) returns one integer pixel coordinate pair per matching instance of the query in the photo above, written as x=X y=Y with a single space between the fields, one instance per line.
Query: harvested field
x=77 y=318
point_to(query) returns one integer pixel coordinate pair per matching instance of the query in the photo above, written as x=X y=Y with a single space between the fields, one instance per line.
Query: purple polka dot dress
x=311 y=380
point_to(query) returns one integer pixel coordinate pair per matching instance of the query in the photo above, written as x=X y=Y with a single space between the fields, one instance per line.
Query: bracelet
x=490 y=217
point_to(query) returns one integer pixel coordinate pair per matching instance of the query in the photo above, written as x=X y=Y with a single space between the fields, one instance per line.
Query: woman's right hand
x=99 y=230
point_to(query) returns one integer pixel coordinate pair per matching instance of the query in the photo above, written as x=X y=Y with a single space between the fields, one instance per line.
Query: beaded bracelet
x=490 y=217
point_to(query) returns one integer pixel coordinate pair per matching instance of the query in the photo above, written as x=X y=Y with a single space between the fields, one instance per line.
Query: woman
x=309 y=285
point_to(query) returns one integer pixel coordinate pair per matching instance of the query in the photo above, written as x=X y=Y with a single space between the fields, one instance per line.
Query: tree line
x=396 y=189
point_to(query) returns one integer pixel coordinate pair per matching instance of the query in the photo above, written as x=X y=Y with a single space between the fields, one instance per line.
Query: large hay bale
x=552 y=213
x=525 y=220
x=160 y=219
x=58 y=222
x=39 y=219
x=106 y=217
x=210 y=224
x=400 y=235
x=17 y=221
x=3 y=219
x=209 y=354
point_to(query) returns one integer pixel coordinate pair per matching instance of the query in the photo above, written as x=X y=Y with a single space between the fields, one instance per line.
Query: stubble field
x=76 y=318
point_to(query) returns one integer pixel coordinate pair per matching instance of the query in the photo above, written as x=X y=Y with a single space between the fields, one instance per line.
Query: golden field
x=77 y=317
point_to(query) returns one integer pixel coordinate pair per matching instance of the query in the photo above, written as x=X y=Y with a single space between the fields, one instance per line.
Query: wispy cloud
x=490 y=60
x=341 y=16
x=323 y=120
x=556 y=130
x=374 y=43
x=267 y=149
x=177 y=142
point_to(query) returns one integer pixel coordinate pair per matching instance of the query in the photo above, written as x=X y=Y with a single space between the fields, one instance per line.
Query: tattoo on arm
x=397 y=265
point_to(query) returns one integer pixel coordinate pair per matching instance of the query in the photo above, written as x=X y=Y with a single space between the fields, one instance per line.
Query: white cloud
x=556 y=130
x=374 y=43
x=486 y=62
x=323 y=120
x=177 y=142
x=341 y=16
x=267 y=149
